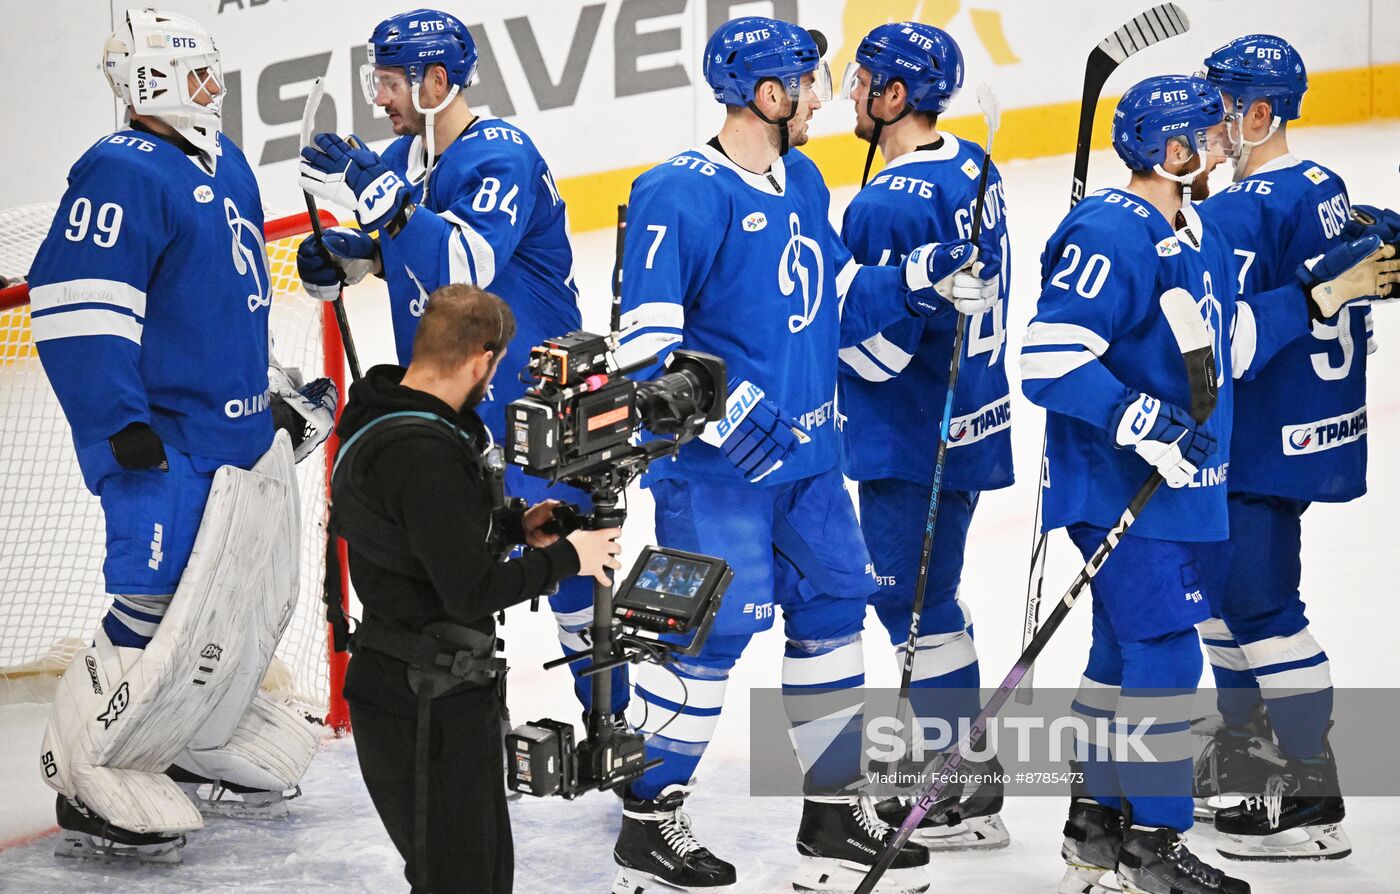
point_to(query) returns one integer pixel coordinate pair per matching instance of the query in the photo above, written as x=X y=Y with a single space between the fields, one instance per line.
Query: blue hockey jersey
x=149 y=302
x=1300 y=424
x=1098 y=337
x=496 y=221
x=893 y=384
x=748 y=266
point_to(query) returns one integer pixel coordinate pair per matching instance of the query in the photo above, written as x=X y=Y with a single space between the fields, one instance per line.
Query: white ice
x=333 y=842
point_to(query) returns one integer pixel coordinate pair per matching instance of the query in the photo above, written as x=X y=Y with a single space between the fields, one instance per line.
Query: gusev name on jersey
x=748 y=267
x=893 y=384
x=1098 y=337
x=493 y=218
x=149 y=303
x=1300 y=424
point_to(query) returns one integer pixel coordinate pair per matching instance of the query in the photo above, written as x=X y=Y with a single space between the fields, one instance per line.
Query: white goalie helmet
x=166 y=66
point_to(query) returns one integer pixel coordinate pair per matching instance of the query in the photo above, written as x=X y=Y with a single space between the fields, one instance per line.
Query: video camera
x=579 y=422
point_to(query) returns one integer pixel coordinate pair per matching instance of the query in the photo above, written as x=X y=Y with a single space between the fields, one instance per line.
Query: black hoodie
x=425 y=485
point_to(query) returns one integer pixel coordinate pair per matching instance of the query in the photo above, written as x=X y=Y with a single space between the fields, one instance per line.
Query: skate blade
x=978 y=833
x=635 y=881
x=81 y=846
x=826 y=875
x=215 y=800
x=1324 y=842
x=1080 y=879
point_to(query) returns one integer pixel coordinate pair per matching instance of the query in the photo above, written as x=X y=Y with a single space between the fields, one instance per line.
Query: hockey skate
x=840 y=838
x=1298 y=817
x=1093 y=835
x=657 y=852
x=1156 y=861
x=972 y=822
x=1234 y=764
x=85 y=835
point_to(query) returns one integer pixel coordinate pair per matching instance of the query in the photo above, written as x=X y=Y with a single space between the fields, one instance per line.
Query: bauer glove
x=350 y=175
x=1164 y=435
x=1368 y=220
x=305 y=412
x=342 y=258
x=754 y=434
x=942 y=273
x=1364 y=268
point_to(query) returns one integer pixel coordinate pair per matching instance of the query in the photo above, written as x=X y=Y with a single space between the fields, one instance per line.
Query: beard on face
x=475 y=396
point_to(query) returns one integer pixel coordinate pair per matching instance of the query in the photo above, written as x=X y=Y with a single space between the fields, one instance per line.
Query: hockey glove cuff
x=305 y=412
x=343 y=258
x=754 y=434
x=1363 y=269
x=1368 y=220
x=1164 y=435
x=138 y=447
x=929 y=271
x=350 y=175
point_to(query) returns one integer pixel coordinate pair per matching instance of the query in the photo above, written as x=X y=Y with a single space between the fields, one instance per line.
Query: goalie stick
x=308 y=124
x=991 y=111
x=1193 y=339
x=1142 y=31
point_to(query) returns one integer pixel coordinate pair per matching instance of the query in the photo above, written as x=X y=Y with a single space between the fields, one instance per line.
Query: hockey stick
x=308 y=124
x=616 y=322
x=1142 y=31
x=1194 y=340
x=992 y=112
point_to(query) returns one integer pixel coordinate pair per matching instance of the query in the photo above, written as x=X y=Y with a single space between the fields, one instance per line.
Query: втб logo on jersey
x=794 y=272
x=248 y=261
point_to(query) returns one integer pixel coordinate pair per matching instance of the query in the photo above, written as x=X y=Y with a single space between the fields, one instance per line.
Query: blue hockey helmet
x=1159 y=110
x=925 y=58
x=744 y=52
x=1260 y=66
x=415 y=40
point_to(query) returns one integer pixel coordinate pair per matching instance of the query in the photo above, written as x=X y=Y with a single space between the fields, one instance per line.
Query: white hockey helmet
x=165 y=65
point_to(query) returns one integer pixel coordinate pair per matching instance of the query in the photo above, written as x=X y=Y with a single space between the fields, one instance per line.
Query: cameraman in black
x=413 y=499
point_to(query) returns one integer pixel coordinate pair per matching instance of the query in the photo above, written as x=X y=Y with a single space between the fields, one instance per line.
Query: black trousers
x=469 y=842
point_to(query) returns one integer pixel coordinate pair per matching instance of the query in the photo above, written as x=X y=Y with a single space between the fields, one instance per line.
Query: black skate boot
x=1298 y=817
x=218 y=797
x=1093 y=835
x=656 y=850
x=1156 y=861
x=967 y=822
x=840 y=838
x=1235 y=763
x=85 y=835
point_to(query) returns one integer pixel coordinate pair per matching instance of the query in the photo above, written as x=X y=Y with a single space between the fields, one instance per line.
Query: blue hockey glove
x=1363 y=269
x=348 y=256
x=1368 y=220
x=352 y=176
x=754 y=434
x=931 y=273
x=1164 y=435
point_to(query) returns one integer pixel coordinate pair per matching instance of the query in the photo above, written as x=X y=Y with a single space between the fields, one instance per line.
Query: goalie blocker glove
x=352 y=176
x=342 y=258
x=1164 y=435
x=1363 y=269
x=305 y=412
x=754 y=434
x=951 y=272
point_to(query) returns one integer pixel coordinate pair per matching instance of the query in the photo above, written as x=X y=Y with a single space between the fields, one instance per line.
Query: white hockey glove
x=306 y=413
x=1363 y=269
x=1164 y=435
x=342 y=258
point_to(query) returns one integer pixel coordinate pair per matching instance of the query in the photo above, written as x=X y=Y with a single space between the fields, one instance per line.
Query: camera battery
x=541 y=758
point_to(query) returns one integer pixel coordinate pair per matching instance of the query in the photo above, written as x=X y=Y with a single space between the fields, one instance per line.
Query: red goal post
x=51 y=531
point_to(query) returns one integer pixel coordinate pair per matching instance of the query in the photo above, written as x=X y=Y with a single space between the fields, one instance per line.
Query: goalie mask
x=165 y=65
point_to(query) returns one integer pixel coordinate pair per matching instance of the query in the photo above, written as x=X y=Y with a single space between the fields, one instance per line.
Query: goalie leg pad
x=155 y=701
x=269 y=750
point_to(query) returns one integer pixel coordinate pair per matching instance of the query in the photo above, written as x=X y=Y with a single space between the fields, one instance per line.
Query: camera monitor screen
x=670 y=590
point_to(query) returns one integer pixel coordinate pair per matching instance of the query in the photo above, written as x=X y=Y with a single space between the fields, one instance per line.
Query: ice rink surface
x=333 y=841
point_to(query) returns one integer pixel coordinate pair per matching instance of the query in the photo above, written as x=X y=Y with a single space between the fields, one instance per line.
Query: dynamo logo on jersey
x=793 y=273
x=1324 y=434
x=248 y=260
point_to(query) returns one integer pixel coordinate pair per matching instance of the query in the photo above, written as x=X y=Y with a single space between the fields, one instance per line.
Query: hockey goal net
x=51 y=529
